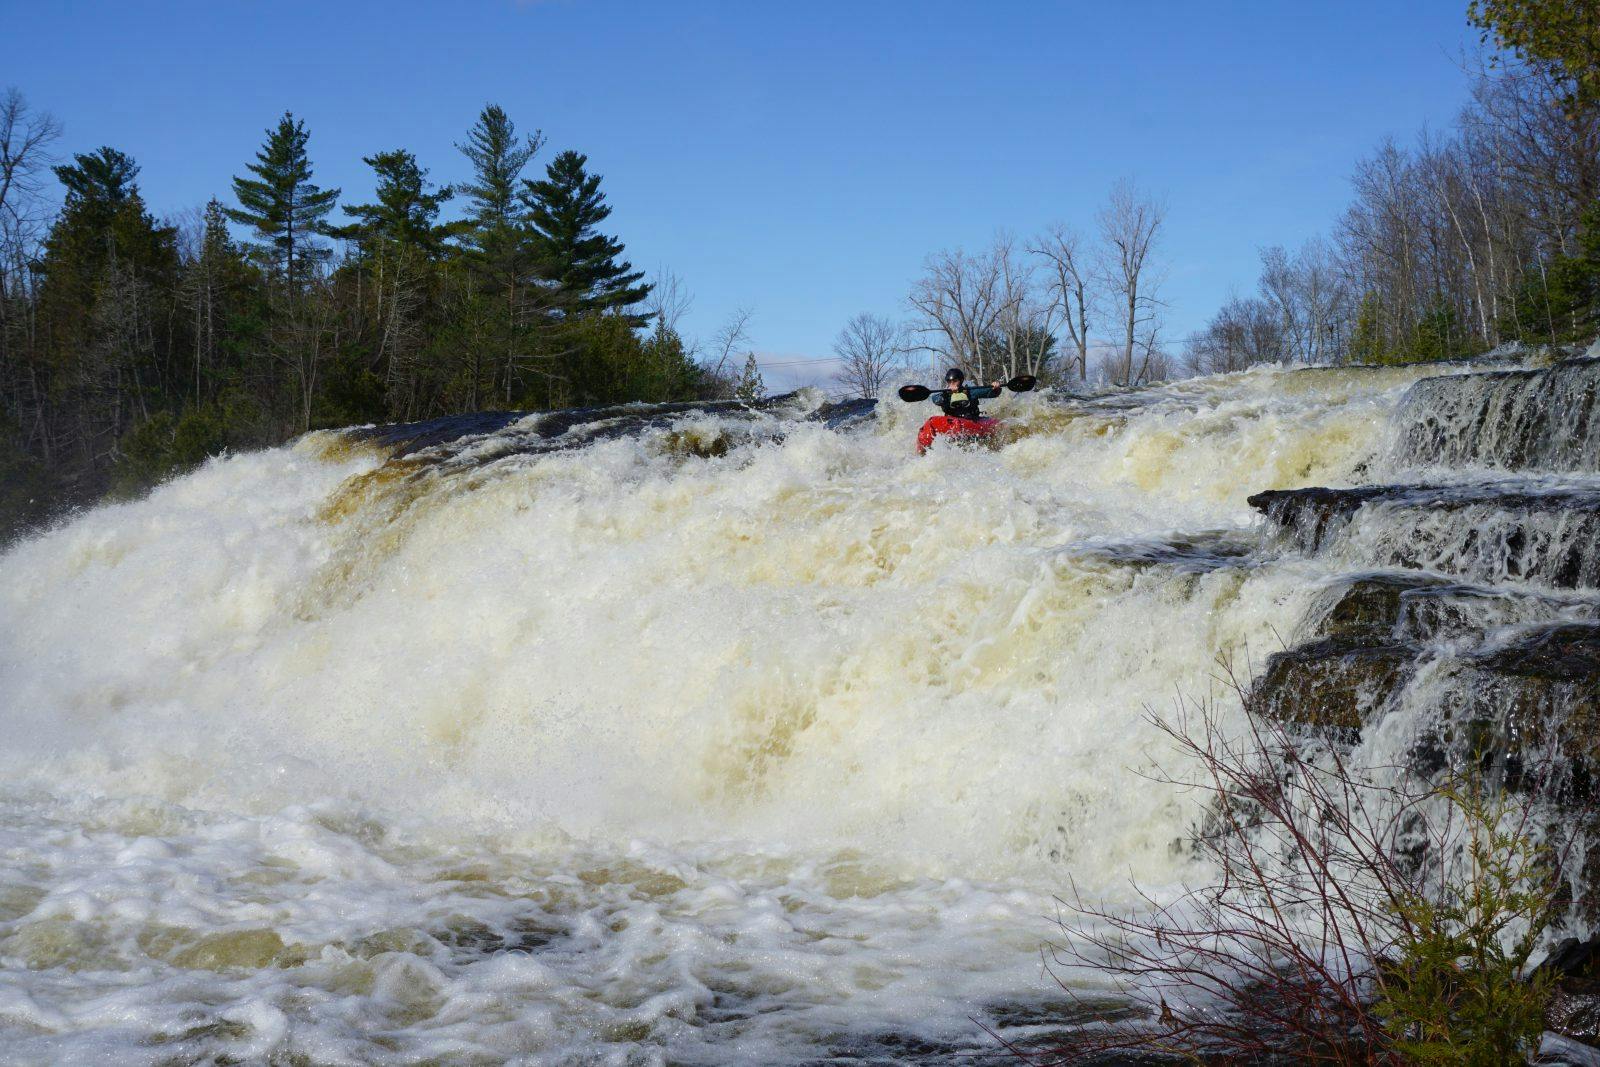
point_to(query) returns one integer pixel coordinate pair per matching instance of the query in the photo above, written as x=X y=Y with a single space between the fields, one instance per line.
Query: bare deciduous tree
x=1241 y=334
x=1024 y=337
x=870 y=349
x=25 y=139
x=1130 y=224
x=1072 y=285
x=959 y=300
x=669 y=299
x=732 y=337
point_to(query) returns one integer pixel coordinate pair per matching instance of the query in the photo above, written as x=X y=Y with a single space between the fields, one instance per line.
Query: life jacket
x=958 y=403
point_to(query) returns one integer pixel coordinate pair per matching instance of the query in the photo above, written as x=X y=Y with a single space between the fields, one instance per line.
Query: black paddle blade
x=911 y=394
x=1022 y=383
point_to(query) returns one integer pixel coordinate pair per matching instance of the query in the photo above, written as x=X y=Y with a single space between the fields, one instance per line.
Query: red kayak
x=953 y=426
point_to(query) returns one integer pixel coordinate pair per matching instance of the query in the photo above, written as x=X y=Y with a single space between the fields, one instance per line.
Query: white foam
x=791 y=743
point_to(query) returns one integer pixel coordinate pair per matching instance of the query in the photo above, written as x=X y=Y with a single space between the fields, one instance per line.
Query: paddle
x=912 y=394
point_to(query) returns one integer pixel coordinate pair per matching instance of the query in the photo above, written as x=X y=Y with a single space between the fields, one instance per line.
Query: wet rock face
x=1519 y=531
x=1471 y=607
x=1510 y=420
x=1369 y=607
x=1337 y=683
x=555 y=430
x=1187 y=554
x=1574 y=1009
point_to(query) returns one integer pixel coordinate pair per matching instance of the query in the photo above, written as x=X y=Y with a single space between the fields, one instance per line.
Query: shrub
x=1356 y=916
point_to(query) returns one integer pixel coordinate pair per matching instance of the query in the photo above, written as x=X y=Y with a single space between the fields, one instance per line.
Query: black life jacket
x=958 y=403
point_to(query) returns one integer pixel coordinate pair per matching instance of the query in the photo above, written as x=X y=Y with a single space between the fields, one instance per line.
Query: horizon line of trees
x=132 y=347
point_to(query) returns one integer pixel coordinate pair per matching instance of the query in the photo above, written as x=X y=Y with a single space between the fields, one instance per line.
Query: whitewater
x=714 y=738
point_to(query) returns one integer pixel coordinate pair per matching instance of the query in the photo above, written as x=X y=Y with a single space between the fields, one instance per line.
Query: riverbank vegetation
x=1355 y=914
x=132 y=347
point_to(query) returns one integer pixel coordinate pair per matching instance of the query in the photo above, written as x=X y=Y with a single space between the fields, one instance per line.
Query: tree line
x=132 y=347
x=1452 y=246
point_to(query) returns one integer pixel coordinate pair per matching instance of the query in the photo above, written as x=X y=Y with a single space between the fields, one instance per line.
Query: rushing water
x=709 y=737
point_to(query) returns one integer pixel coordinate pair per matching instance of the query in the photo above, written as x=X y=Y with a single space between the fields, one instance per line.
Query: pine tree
x=750 y=385
x=99 y=180
x=405 y=211
x=283 y=205
x=1366 y=339
x=108 y=269
x=565 y=210
x=212 y=284
x=497 y=245
x=494 y=233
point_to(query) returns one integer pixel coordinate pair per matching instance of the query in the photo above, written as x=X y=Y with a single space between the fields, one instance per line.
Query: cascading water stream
x=710 y=736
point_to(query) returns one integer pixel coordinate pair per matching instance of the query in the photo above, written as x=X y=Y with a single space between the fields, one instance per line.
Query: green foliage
x=99 y=178
x=565 y=210
x=167 y=444
x=405 y=213
x=1366 y=340
x=282 y=204
x=494 y=236
x=350 y=394
x=1565 y=33
x=27 y=495
x=1460 y=991
x=1562 y=301
x=1437 y=335
x=750 y=385
x=153 y=353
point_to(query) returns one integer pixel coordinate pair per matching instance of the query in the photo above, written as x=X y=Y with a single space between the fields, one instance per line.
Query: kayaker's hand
x=996 y=385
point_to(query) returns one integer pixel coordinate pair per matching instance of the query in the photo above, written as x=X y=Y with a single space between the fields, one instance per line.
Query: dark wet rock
x=405 y=438
x=468 y=938
x=1334 y=683
x=1558 y=654
x=1197 y=553
x=1455 y=611
x=549 y=431
x=1417 y=607
x=1313 y=513
x=1574 y=1009
x=844 y=413
x=1368 y=606
x=1525 y=712
x=1517 y=531
x=1573 y=958
x=1540 y=418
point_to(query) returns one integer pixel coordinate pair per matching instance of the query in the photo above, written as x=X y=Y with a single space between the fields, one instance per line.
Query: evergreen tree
x=565 y=210
x=750 y=385
x=282 y=204
x=405 y=211
x=109 y=271
x=102 y=180
x=103 y=225
x=498 y=249
x=1366 y=339
x=494 y=234
x=214 y=287
x=670 y=369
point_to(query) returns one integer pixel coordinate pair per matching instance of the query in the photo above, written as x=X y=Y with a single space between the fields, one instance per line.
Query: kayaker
x=959 y=402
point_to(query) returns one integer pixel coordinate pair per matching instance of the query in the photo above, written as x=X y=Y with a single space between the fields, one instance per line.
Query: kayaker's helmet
x=953 y=376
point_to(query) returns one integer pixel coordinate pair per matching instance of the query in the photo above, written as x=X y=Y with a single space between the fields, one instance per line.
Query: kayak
x=953 y=426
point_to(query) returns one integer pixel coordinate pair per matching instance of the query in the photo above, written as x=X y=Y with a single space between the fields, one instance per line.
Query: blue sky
x=798 y=159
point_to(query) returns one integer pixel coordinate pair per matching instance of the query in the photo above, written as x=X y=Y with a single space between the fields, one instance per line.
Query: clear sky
x=798 y=159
